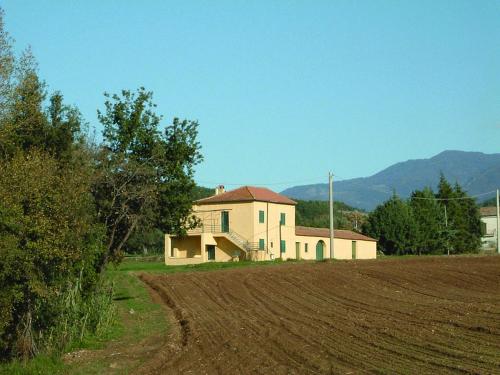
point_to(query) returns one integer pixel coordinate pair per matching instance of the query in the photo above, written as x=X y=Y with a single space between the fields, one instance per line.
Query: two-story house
x=258 y=224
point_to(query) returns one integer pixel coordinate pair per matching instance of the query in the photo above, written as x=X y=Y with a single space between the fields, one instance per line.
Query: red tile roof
x=325 y=232
x=488 y=211
x=247 y=194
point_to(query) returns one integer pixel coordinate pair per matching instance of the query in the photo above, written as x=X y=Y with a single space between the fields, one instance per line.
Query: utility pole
x=498 y=221
x=447 y=234
x=332 y=235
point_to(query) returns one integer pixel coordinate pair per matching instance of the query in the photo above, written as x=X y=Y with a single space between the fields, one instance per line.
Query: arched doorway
x=320 y=246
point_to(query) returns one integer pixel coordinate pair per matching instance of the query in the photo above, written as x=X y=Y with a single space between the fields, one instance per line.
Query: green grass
x=40 y=365
x=159 y=267
x=137 y=317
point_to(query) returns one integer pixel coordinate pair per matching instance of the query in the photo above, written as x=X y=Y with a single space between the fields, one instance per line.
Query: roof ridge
x=250 y=191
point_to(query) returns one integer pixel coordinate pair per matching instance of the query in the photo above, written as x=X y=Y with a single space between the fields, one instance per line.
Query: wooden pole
x=447 y=233
x=332 y=235
x=498 y=221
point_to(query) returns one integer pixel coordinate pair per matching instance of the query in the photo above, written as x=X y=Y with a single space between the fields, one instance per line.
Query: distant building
x=489 y=224
x=258 y=224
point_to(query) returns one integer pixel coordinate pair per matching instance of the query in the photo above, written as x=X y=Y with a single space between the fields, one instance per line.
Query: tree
x=464 y=224
x=181 y=152
x=48 y=239
x=26 y=120
x=317 y=214
x=429 y=219
x=7 y=63
x=145 y=177
x=394 y=225
x=63 y=128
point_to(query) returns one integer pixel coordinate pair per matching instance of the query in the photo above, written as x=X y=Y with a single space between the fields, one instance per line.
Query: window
x=283 y=246
x=282 y=219
x=306 y=247
x=261 y=217
x=261 y=244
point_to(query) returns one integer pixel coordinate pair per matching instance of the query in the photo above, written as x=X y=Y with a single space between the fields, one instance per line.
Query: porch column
x=168 y=247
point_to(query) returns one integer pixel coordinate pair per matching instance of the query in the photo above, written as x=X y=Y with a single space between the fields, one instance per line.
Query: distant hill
x=474 y=171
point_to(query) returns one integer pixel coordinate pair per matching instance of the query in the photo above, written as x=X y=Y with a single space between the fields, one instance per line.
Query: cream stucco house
x=258 y=224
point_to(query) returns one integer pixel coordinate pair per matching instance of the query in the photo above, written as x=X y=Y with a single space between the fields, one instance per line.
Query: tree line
x=444 y=222
x=317 y=214
x=69 y=205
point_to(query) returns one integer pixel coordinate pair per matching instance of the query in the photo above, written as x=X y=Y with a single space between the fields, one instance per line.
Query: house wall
x=186 y=247
x=311 y=242
x=366 y=250
x=342 y=248
x=240 y=217
x=491 y=225
x=225 y=249
x=269 y=231
x=489 y=239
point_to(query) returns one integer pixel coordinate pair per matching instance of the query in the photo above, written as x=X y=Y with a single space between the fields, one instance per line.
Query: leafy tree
x=181 y=154
x=7 y=64
x=464 y=224
x=48 y=240
x=429 y=219
x=149 y=241
x=26 y=120
x=145 y=177
x=63 y=129
x=394 y=225
x=200 y=192
x=317 y=214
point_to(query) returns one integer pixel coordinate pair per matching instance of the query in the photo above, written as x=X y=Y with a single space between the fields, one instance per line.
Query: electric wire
x=456 y=198
x=262 y=183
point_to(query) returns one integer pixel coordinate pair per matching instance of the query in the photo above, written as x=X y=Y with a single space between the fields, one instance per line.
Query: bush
x=49 y=246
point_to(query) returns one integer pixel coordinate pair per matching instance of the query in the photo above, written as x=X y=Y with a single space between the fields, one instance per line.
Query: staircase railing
x=235 y=237
x=241 y=241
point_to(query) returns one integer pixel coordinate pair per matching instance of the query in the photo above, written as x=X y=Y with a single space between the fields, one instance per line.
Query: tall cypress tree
x=429 y=218
x=394 y=225
x=464 y=225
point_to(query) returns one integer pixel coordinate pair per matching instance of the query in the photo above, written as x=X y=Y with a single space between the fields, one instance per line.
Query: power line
x=452 y=199
x=263 y=183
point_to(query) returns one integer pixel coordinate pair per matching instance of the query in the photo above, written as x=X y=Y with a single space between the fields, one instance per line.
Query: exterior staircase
x=241 y=242
x=231 y=235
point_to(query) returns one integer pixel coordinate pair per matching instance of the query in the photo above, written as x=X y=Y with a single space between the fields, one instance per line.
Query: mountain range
x=476 y=172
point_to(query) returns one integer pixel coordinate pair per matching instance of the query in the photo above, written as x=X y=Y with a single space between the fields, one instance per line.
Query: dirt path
x=430 y=315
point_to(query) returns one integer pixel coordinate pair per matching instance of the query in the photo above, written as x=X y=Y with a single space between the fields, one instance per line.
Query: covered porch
x=200 y=248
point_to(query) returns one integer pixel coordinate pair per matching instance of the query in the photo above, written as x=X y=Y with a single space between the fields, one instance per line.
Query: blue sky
x=284 y=91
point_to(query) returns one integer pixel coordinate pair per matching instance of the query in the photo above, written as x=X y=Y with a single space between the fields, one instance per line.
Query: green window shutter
x=282 y=219
x=261 y=244
x=283 y=246
x=261 y=216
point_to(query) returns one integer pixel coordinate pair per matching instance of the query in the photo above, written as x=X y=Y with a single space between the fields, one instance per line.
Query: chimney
x=219 y=189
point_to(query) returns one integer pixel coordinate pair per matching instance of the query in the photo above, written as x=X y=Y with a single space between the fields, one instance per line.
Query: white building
x=489 y=222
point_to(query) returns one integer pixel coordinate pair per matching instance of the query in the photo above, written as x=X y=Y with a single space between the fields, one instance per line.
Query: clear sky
x=284 y=91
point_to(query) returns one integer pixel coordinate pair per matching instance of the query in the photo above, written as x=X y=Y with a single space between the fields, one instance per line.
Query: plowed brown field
x=431 y=315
